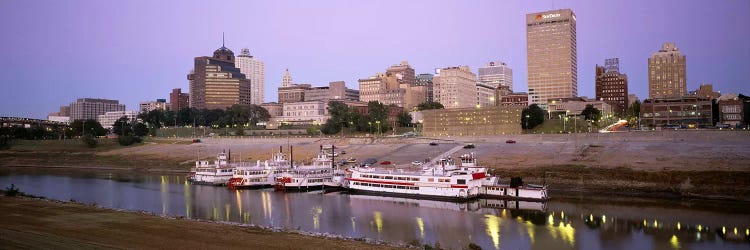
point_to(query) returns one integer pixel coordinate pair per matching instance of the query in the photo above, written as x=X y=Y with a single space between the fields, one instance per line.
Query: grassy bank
x=35 y=223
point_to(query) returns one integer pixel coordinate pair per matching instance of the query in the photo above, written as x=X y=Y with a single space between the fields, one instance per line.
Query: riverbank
x=663 y=164
x=37 y=223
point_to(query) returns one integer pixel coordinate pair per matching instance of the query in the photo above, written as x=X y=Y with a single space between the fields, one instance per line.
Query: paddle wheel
x=281 y=182
x=235 y=181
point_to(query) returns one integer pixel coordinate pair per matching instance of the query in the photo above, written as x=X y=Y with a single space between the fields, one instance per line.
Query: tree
x=331 y=127
x=89 y=140
x=590 y=113
x=633 y=113
x=140 y=129
x=378 y=114
x=430 y=105
x=532 y=116
x=91 y=127
x=404 y=119
x=122 y=127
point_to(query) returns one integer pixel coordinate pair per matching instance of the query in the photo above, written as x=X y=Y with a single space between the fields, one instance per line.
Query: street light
x=369 y=126
x=378 y=122
x=527 y=121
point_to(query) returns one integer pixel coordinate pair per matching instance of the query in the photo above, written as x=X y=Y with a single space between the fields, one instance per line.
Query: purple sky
x=56 y=51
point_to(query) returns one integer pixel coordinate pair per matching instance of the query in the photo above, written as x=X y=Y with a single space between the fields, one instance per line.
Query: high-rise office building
x=426 y=80
x=215 y=82
x=612 y=86
x=254 y=70
x=455 y=87
x=397 y=86
x=91 y=108
x=178 y=100
x=551 y=55
x=667 y=73
x=495 y=74
x=404 y=73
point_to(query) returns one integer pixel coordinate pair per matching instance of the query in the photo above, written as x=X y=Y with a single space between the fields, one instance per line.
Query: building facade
x=91 y=108
x=473 y=121
x=455 y=87
x=731 y=110
x=565 y=107
x=552 y=55
x=108 y=119
x=485 y=95
x=514 y=99
x=612 y=86
x=496 y=74
x=667 y=73
x=293 y=93
x=304 y=113
x=426 y=80
x=706 y=90
x=215 y=82
x=159 y=104
x=274 y=109
x=334 y=91
x=688 y=111
x=178 y=100
x=397 y=86
x=403 y=72
x=254 y=70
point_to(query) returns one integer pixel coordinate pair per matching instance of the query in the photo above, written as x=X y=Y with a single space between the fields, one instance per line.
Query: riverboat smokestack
x=291 y=156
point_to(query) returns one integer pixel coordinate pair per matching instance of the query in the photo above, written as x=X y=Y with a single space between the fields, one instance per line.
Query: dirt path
x=32 y=223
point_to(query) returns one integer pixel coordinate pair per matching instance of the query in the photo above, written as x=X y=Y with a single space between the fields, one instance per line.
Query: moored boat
x=307 y=177
x=216 y=174
x=440 y=180
x=260 y=175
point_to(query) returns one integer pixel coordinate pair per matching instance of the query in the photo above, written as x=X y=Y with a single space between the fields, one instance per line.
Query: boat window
x=389 y=177
x=430 y=180
x=461 y=181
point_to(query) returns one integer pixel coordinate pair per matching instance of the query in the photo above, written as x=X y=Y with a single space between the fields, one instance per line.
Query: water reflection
x=492 y=224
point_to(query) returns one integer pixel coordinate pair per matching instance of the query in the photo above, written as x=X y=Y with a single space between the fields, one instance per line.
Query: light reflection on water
x=492 y=224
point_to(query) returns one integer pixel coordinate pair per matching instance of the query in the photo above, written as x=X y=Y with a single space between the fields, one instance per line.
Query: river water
x=569 y=223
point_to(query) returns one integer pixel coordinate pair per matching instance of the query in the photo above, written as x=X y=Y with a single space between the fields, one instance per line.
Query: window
x=460 y=181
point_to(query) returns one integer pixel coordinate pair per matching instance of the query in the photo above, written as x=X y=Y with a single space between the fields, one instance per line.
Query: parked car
x=370 y=161
x=196 y=140
x=351 y=160
x=469 y=146
x=416 y=163
x=343 y=152
x=433 y=143
x=510 y=141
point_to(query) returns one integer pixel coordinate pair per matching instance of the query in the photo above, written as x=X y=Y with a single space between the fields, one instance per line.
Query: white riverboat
x=516 y=190
x=262 y=174
x=307 y=177
x=440 y=180
x=216 y=174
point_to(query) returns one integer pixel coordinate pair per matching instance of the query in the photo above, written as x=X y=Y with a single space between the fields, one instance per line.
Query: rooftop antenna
x=222 y=39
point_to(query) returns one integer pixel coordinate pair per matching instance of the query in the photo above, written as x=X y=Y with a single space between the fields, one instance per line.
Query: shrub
x=4 y=142
x=12 y=190
x=473 y=246
x=89 y=140
x=126 y=140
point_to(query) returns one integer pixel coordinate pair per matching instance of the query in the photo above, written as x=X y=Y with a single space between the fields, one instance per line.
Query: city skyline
x=134 y=54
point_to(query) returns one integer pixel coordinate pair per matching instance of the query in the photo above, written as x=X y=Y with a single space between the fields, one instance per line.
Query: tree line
x=238 y=115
